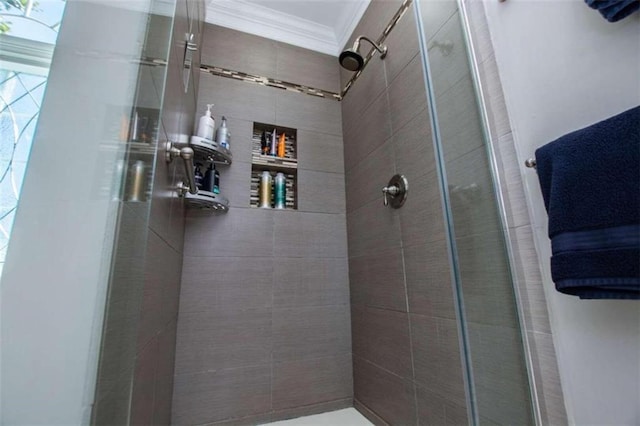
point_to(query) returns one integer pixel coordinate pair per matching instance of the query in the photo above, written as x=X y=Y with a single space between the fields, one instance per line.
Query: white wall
x=563 y=67
x=55 y=277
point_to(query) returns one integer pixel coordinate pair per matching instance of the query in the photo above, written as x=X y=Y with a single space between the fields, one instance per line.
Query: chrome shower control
x=395 y=193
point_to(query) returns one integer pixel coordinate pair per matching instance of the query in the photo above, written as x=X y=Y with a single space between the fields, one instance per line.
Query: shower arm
x=381 y=49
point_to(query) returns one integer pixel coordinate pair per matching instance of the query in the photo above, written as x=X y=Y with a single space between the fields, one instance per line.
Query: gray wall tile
x=308 y=68
x=512 y=186
x=407 y=94
x=471 y=194
x=500 y=377
x=307 y=382
x=382 y=337
x=433 y=409
x=223 y=338
x=310 y=282
x=402 y=44
x=458 y=119
x=163 y=393
x=366 y=178
x=366 y=89
x=209 y=282
x=372 y=227
x=377 y=279
x=241 y=232
x=316 y=234
x=307 y=112
x=435 y=14
x=236 y=99
x=547 y=376
x=143 y=384
x=310 y=332
x=486 y=285
x=529 y=280
x=235 y=182
x=413 y=147
x=390 y=396
x=436 y=357
x=366 y=133
x=235 y=50
x=320 y=151
x=447 y=55
x=221 y=394
x=321 y=192
x=428 y=276
x=421 y=217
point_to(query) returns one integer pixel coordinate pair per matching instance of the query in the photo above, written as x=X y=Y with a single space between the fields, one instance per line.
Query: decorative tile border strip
x=298 y=88
x=270 y=82
x=390 y=26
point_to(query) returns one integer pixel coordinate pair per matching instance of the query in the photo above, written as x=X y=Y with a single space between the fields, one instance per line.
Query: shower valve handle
x=389 y=190
x=395 y=193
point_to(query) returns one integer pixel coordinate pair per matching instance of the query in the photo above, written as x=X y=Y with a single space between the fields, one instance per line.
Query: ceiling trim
x=348 y=21
x=269 y=23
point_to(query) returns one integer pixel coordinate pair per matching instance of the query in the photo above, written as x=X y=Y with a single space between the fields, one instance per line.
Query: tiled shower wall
x=264 y=329
x=407 y=366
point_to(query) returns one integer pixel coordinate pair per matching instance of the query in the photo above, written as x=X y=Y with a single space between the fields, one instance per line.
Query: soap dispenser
x=206 y=125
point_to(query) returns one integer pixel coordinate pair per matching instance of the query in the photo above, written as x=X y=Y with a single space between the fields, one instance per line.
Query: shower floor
x=346 y=417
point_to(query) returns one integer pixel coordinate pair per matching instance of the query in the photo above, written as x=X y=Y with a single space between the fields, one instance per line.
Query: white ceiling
x=320 y=25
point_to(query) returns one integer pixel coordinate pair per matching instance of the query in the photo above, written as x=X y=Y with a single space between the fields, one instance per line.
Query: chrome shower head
x=352 y=60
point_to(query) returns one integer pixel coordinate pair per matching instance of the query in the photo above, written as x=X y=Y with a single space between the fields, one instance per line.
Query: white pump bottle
x=206 y=125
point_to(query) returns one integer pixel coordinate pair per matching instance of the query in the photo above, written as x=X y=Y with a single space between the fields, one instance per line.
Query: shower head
x=352 y=60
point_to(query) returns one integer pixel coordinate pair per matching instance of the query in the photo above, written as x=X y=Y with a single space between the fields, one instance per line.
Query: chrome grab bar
x=186 y=154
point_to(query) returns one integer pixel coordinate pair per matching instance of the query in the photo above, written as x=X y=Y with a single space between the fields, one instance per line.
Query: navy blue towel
x=614 y=10
x=590 y=181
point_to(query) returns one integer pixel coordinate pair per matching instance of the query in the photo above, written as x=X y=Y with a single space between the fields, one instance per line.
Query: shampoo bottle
x=206 y=125
x=265 y=190
x=274 y=143
x=280 y=191
x=212 y=179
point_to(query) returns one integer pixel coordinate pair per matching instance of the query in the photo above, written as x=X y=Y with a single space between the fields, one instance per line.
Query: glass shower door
x=498 y=385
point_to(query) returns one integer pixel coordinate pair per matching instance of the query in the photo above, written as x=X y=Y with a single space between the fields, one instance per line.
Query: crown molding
x=265 y=22
x=348 y=22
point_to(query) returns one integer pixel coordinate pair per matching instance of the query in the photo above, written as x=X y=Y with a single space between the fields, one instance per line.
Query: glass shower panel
x=119 y=343
x=497 y=372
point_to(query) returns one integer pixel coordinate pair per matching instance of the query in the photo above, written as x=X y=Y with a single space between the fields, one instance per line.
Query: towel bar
x=530 y=163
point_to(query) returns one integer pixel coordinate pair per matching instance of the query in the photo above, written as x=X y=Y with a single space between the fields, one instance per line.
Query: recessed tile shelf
x=288 y=164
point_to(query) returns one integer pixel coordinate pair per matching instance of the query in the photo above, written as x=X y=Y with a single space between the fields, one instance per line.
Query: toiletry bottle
x=208 y=181
x=281 y=146
x=198 y=175
x=265 y=190
x=216 y=180
x=264 y=145
x=274 y=143
x=223 y=136
x=136 y=182
x=206 y=125
x=280 y=189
